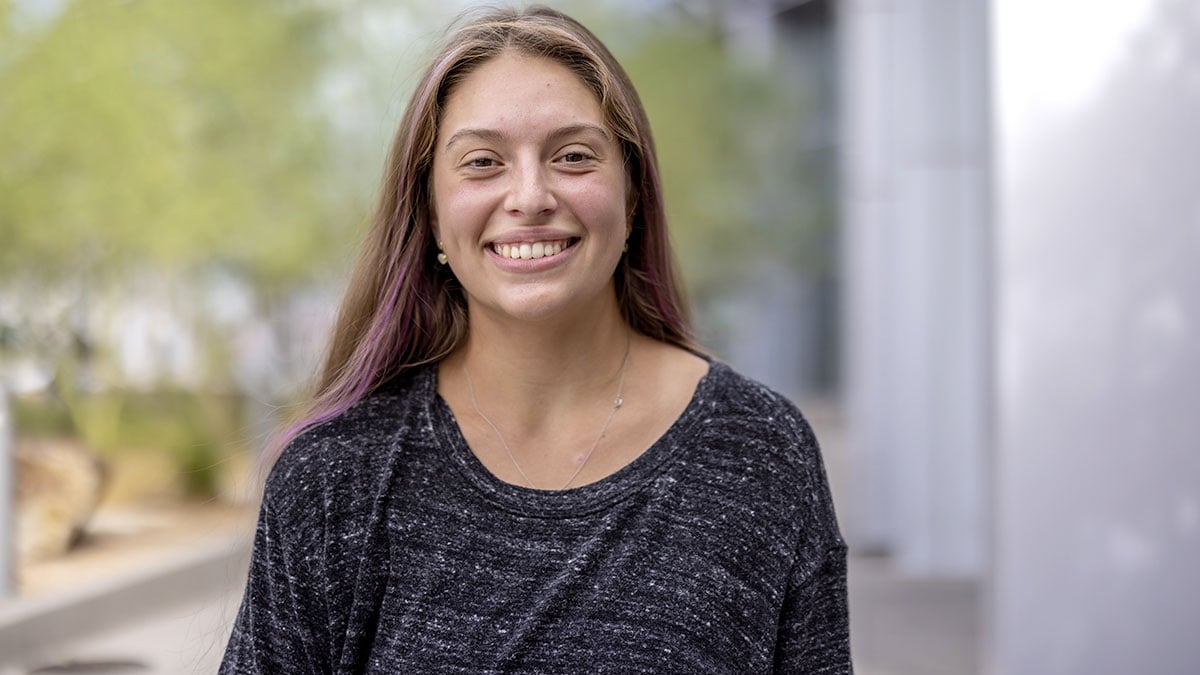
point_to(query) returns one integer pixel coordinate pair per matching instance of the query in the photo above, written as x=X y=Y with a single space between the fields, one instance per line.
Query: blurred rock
x=59 y=485
x=142 y=476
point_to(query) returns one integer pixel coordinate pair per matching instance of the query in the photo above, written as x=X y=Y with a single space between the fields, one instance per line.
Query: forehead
x=515 y=93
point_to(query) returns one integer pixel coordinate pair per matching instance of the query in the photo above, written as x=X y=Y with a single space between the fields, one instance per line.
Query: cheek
x=605 y=203
x=461 y=211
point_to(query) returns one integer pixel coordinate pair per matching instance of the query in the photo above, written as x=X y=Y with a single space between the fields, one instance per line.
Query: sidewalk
x=149 y=591
x=902 y=626
x=898 y=625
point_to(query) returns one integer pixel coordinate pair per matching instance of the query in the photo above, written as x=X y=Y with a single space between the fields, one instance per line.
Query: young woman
x=516 y=459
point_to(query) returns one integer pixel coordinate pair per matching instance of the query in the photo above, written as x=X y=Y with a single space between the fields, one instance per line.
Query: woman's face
x=529 y=191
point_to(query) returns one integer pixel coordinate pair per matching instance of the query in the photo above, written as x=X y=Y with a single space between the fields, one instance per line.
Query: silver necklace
x=612 y=413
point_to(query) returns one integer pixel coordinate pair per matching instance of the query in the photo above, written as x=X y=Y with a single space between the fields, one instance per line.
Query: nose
x=530 y=193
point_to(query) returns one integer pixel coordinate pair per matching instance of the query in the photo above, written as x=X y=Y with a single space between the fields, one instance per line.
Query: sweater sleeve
x=814 y=624
x=282 y=626
x=814 y=627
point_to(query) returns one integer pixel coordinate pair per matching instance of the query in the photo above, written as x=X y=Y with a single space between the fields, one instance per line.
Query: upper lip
x=531 y=235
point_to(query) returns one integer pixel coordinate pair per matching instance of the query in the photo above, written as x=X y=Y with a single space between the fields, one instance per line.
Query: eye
x=481 y=162
x=575 y=157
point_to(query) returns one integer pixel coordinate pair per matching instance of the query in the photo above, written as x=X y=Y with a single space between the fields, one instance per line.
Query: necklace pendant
x=617 y=403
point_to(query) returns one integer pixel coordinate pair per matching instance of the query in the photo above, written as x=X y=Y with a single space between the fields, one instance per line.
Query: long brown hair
x=401 y=308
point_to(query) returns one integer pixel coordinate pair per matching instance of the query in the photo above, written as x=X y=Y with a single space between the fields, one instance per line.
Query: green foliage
x=163 y=132
x=196 y=429
x=42 y=415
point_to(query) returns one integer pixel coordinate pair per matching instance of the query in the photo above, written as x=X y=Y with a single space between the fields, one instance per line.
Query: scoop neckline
x=574 y=501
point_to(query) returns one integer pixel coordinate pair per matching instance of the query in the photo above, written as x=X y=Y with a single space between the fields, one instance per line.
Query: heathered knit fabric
x=384 y=546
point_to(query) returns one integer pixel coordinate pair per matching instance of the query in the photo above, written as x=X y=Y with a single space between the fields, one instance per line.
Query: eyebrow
x=494 y=135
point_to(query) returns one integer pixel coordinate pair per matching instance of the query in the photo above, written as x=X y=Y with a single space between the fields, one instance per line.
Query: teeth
x=529 y=250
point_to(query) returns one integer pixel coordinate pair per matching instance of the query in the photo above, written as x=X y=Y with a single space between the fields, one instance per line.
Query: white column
x=915 y=219
x=1097 y=515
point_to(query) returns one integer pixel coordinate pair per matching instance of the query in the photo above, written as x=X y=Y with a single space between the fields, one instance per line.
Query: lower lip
x=528 y=265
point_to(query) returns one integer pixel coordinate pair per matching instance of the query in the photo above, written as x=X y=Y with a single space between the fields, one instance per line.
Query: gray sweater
x=383 y=545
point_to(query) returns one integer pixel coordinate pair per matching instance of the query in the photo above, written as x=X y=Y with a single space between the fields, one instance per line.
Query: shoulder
x=352 y=447
x=745 y=412
x=759 y=451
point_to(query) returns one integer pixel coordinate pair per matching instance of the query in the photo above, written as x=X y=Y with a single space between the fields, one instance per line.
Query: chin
x=535 y=311
x=549 y=305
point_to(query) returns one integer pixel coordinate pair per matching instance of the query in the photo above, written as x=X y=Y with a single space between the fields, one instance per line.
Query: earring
x=441 y=256
x=628 y=231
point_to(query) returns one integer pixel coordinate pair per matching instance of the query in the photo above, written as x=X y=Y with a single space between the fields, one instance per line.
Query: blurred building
x=1022 y=297
x=785 y=330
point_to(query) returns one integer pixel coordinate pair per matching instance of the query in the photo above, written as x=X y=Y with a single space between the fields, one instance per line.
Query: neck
x=531 y=368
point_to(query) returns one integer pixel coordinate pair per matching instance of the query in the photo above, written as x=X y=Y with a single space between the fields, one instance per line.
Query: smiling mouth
x=532 y=249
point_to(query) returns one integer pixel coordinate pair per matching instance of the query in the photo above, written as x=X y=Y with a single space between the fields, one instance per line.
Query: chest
x=643 y=587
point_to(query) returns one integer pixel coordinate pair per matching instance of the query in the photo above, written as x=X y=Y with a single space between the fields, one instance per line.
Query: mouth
x=528 y=250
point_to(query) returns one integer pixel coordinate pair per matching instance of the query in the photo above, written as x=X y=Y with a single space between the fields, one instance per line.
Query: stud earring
x=441 y=256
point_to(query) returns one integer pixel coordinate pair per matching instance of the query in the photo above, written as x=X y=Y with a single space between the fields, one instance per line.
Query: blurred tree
x=152 y=142
x=163 y=133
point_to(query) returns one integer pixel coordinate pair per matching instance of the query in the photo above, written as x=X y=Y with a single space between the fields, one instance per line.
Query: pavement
x=149 y=591
x=909 y=626
x=899 y=625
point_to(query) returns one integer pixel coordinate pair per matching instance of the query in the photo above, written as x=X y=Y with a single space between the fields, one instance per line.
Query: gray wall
x=1021 y=206
x=1097 y=466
